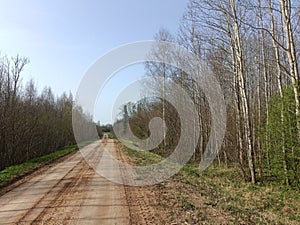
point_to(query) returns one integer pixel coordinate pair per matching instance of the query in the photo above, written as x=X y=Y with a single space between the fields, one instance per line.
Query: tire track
x=140 y=210
x=69 y=197
x=72 y=193
x=42 y=172
x=35 y=206
x=68 y=201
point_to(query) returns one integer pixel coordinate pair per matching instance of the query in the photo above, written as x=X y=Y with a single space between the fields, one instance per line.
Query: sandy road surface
x=70 y=192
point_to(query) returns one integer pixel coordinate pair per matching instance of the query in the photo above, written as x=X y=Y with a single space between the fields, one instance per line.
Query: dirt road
x=70 y=192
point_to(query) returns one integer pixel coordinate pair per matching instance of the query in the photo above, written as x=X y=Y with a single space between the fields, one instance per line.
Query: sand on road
x=70 y=192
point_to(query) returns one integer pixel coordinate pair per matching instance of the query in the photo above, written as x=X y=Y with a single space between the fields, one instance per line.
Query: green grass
x=185 y=204
x=111 y=136
x=260 y=203
x=142 y=158
x=13 y=172
x=225 y=190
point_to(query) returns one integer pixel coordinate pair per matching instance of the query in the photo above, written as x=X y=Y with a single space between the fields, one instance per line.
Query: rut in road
x=140 y=210
x=67 y=202
x=70 y=192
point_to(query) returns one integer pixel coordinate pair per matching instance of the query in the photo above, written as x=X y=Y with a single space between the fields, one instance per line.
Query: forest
x=205 y=129
x=32 y=124
x=252 y=47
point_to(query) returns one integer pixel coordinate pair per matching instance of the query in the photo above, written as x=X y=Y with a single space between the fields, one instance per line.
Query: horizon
x=63 y=39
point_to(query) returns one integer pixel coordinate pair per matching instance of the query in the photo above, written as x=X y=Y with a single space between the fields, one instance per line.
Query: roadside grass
x=142 y=158
x=261 y=203
x=221 y=195
x=13 y=172
x=111 y=136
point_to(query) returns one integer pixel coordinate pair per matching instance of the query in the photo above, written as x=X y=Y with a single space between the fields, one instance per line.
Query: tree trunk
x=279 y=85
x=243 y=93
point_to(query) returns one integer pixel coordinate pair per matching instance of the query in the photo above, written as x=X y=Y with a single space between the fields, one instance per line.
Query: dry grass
x=220 y=196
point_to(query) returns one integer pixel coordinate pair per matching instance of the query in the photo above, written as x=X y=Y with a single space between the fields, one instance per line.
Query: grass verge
x=142 y=158
x=11 y=173
x=220 y=196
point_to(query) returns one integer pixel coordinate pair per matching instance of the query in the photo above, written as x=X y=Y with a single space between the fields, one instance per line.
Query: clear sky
x=62 y=38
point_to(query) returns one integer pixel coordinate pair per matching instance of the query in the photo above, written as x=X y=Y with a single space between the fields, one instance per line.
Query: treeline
x=31 y=124
x=253 y=50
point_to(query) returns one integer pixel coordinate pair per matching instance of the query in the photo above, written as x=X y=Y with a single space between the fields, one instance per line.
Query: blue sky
x=63 y=38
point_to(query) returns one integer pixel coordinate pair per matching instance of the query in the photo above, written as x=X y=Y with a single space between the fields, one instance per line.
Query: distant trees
x=139 y=116
x=253 y=50
x=31 y=124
